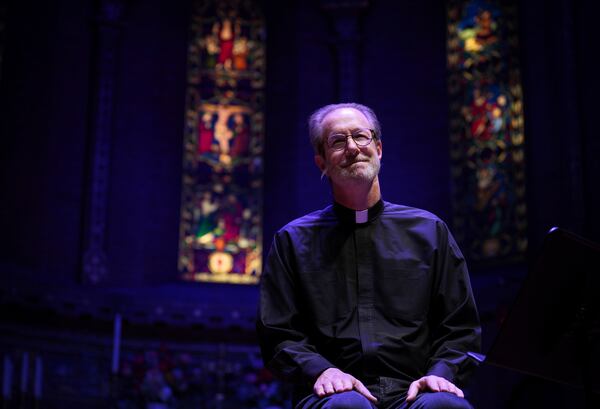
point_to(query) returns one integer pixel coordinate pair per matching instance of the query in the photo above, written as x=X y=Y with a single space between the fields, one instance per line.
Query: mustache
x=344 y=164
x=359 y=158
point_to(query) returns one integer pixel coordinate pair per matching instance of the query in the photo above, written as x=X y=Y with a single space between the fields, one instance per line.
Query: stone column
x=345 y=16
x=109 y=16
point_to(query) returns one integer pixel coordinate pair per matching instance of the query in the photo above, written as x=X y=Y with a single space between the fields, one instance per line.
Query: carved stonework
x=346 y=19
x=95 y=265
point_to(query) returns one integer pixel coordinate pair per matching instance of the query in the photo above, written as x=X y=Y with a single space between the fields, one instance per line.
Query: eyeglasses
x=361 y=137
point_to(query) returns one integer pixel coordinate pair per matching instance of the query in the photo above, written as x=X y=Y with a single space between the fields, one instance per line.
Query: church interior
x=150 y=150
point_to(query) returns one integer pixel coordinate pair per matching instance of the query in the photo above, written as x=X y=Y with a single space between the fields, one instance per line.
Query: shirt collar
x=348 y=215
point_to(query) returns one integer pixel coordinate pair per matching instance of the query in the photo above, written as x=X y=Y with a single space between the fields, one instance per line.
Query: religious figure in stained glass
x=486 y=129
x=223 y=143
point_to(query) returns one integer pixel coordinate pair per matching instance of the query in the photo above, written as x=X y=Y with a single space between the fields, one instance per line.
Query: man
x=365 y=303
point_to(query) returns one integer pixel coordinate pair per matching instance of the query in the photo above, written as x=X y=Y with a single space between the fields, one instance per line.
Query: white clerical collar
x=361 y=216
x=355 y=217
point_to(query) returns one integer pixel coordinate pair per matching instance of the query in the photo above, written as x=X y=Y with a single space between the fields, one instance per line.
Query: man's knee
x=347 y=400
x=440 y=400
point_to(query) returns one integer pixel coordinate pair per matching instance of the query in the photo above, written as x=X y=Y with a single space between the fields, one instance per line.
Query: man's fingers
x=323 y=389
x=328 y=388
x=446 y=386
x=412 y=391
x=455 y=390
x=319 y=391
x=360 y=388
x=451 y=388
x=332 y=380
x=341 y=386
x=434 y=384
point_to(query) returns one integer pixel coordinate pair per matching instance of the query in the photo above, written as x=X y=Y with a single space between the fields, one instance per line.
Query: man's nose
x=351 y=146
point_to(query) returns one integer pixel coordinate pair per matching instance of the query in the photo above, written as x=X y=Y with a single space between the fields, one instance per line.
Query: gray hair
x=315 y=122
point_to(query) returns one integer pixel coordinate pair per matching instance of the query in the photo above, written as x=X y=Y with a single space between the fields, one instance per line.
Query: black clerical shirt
x=383 y=294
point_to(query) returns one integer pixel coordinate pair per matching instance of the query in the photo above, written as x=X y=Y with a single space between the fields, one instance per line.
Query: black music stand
x=553 y=328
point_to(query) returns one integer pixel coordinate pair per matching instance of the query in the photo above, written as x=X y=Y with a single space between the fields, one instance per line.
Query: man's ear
x=379 y=147
x=320 y=162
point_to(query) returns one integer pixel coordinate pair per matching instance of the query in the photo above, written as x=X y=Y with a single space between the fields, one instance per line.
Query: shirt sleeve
x=454 y=319
x=284 y=343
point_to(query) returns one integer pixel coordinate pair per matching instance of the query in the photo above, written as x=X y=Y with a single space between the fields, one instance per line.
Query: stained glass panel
x=486 y=129
x=220 y=233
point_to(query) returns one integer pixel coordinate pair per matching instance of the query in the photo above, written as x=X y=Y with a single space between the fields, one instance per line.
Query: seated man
x=365 y=304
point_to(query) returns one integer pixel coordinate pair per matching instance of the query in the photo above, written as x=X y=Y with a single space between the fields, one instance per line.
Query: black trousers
x=354 y=400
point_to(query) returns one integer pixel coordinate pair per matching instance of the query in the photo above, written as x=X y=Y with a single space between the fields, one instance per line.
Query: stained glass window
x=486 y=129
x=220 y=232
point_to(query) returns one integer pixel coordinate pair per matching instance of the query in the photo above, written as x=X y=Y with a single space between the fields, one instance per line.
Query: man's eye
x=336 y=142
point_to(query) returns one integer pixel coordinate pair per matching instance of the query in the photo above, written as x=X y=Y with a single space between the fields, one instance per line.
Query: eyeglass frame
x=351 y=135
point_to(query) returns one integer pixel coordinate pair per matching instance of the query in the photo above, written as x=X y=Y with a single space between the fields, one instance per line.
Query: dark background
x=47 y=82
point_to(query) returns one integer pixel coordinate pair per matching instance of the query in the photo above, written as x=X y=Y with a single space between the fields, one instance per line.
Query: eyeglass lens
x=361 y=137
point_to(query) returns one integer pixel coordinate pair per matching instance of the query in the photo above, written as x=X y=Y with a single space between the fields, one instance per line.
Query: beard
x=358 y=169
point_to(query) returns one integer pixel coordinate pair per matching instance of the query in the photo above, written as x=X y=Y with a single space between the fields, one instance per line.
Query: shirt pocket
x=405 y=292
x=326 y=295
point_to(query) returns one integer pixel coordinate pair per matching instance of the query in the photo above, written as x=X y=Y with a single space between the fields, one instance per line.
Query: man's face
x=354 y=163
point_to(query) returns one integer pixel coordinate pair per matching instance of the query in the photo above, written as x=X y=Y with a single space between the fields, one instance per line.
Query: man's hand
x=332 y=380
x=434 y=384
